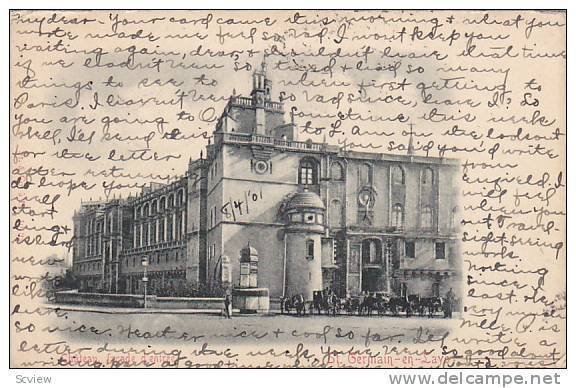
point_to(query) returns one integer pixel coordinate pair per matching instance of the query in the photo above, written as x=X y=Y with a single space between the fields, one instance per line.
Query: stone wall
x=125 y=300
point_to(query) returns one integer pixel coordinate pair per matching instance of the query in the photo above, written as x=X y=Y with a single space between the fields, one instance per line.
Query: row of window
x=439 y=250
x=397 y=220
x=372 y=250
x=211 y=251
x=93 y=245
x=307 y=218
x=97 y=226
x=90 y=266
x=169 y=228
x=156 y=206
x=308 y=173
x=154 y=260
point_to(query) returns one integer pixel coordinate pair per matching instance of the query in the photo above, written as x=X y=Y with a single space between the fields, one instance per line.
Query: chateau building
x=315 y=215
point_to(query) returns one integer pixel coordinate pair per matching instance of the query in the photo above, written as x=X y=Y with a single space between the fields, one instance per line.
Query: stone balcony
x=247 y=102
x=249 y=138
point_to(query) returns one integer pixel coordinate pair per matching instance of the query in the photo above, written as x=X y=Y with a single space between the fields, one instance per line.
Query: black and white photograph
x=292 y=189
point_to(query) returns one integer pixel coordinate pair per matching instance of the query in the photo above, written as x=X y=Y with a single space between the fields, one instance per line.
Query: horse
x=351 y=305
x=432 y=305
x=399 y=303
x=381 y=304
x=367 y=305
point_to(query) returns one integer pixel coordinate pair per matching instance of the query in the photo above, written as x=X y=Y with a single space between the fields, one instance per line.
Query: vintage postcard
x=287 y=189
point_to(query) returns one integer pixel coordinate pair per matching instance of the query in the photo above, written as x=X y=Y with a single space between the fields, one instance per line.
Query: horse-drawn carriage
x=327 y=302
x=296 y=303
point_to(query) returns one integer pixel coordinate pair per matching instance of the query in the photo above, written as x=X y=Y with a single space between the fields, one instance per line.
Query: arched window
x=161 y=231
x=365 y=174
x=397 y=175
x=145 y=211
x=371 y=251
x=162 y=204
x=427 y=177
x=336 y=213
x=426 y=217
x=308 y=172
x=178 y=231
x=137 y=237
x=398 y=216
x=153 y=232
x=180 y=198
x=170 y=232
x=145 y=234
x=154 y=207
x=171 y=200
x=337 y=171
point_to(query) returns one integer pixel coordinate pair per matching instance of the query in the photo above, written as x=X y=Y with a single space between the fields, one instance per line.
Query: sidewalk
x=133 y=310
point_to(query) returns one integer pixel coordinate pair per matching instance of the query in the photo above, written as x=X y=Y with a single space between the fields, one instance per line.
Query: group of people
x=328 y=293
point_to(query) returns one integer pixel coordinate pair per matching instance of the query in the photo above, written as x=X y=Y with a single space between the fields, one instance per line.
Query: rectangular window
x=436 y=289
x=440 y=251
x=213 y=217
x=410 y=248
x=310 y=249
x=297 y=217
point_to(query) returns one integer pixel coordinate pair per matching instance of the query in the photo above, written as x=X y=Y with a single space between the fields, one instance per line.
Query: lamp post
x=145 y=277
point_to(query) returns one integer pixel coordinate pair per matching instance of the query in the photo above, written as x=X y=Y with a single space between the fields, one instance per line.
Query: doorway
x=370 y=278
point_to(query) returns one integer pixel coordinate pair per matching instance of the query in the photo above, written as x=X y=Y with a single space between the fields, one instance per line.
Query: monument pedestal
x=251 y=300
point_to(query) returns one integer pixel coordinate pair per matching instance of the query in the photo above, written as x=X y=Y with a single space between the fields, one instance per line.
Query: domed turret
x=305 y=200
x=305 y=210
x=304 y=213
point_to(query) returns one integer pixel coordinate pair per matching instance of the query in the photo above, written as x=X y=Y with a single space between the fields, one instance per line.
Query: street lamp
x=145 y=277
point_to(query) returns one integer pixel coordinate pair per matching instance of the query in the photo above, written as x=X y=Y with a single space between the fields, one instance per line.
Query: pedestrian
x=448 y=304
x=227 y=306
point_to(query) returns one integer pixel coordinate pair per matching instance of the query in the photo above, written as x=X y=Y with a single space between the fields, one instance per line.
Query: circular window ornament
x=366 y=198
x=261 y=167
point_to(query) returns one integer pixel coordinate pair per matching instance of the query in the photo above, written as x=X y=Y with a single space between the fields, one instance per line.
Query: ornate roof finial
x=411 y=141
x=263 y=65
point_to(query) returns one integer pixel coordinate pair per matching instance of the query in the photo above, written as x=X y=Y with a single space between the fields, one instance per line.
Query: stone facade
x=317 y=215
